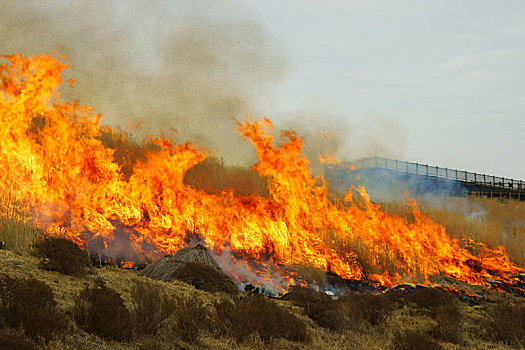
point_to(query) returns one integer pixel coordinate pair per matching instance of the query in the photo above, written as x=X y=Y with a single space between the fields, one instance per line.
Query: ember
x=51 y=151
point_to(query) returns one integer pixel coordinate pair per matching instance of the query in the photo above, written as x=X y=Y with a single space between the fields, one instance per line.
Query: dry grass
x=493 y=222
x=419 y=314
x=128 y=149
x=474 y=220
x=213 y=176
x=17 y=229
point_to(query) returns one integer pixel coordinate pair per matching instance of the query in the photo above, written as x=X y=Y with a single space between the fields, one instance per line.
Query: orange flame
x=51 y=151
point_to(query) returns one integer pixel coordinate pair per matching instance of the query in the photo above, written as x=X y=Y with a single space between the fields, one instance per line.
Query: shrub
x=151 y=307
x=251 y=289
x=29 y=304
x=192 y=318
x=439 y=304
x=15 y=341
x=449 y=324
x=101 y=311
x=322 y=309
x=374 y=309
x=431 y=298
x=62 y=255
x=506 y=322
x=256 y=314
x=206 y=278
x=413 y=340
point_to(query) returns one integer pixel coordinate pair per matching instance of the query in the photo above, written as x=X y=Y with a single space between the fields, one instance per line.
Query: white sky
x=451 y=73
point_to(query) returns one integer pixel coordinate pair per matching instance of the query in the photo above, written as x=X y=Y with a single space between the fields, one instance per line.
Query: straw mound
x=164 y=269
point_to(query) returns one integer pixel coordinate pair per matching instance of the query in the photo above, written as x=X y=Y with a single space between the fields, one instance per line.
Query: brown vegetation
x=62 y=255
x=17 y=229
x=474 y=220
x=29 y=304
x=256 y=314
x=206 y=278
x=213 y=176
x=191 y=319
x=506 y=322
x=322 y=309
x=101 y=311
x=414 y=340
x=12 y=340
x=151 y=307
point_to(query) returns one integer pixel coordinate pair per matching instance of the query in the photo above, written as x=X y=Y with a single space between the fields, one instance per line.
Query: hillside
x=411 y=319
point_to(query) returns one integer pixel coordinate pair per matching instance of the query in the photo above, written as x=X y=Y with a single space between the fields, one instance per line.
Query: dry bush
x=151 y=307
x=14 y=341
x=213 y=176
x=62 y=255
x=441 y=305
x=414 y=340
x=506 y=322
x=17 y=229
x=428 y=298
x=205 y=278
x=322 y=309
x=29 y=304
x=101 y=311
x=191 y=319
x=374 y=309
x=255 y=314
x=449 y=324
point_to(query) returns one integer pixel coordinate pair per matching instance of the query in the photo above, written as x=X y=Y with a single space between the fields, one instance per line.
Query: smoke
x=269 y=279
x=335 y=135
x=179 y=66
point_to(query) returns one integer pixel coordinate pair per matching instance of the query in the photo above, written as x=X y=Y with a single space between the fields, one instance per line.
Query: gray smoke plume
x=174 y=65
x=325 y=133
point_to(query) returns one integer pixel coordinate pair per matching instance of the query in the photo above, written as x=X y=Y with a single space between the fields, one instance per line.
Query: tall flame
x=50 y=150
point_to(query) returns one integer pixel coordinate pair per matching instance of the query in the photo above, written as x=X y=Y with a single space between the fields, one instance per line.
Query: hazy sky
x=450 y=73
x=437 y=82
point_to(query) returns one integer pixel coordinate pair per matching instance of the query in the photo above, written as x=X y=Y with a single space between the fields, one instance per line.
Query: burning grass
x=138 y=200
x=73 y=177
x=475 y=221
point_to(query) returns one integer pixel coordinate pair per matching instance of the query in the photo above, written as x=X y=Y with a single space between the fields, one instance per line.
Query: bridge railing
x=435 y=171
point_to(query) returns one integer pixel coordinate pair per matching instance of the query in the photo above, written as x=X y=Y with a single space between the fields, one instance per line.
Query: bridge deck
x=473 y=183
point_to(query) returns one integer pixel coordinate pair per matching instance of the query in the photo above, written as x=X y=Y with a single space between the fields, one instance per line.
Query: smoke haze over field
x=180 y=68
x=177 y=64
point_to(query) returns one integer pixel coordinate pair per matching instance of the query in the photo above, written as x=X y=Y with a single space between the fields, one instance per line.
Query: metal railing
x=437 y=172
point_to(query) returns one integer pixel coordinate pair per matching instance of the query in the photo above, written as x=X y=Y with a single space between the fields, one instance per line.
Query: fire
x=50 y=150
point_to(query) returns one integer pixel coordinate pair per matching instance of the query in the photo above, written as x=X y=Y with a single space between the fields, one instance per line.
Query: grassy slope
x=66 y=288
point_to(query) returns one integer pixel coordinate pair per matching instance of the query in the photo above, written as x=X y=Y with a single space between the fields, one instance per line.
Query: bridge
x=384 y=173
